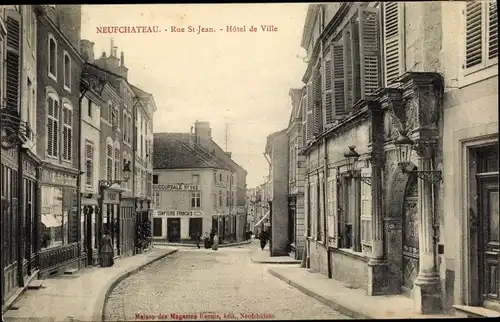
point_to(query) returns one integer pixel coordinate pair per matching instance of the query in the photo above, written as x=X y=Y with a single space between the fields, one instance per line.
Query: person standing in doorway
x=106 y=252
x=215 y=244
x=263 y=239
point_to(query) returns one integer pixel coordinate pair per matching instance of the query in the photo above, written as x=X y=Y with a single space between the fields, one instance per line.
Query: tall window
x=117 y=164
x=67 y=132
x=52 y=57
x=481 y=35
x=156 y=198
x=195 y=199
x=125 y=128
x=29 y=106
x=155 y=179
x=114 y=117
x=52 y=125
x=130 y=128
x=89 y=163
x=196 y=179
x=89 y=108
x=110 y=112
x=67 y=72
x=109 y=161
x=394 y=46
x=220 y=198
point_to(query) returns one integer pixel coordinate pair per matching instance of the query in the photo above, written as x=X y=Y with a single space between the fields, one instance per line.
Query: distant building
x=280 y=230
x=194 y=189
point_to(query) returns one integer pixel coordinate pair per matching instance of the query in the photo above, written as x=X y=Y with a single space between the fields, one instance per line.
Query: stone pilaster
x=427 y=287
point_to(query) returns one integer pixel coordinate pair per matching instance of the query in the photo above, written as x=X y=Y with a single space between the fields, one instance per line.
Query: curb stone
x=103 y=296
x=194 y=245
x=336 y=306
x=276 y=262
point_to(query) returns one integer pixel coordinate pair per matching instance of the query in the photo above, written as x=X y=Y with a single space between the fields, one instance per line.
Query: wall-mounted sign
x=177 y=213
x=53 y=177
x=111 y=197
x=176 y=186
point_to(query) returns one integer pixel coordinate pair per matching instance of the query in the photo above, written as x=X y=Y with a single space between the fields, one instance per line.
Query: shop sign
x=58 y=178
x=111 y=197
x=176 y=186
x=178 y=213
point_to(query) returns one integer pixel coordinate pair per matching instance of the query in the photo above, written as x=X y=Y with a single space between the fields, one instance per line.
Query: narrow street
x=219 y=283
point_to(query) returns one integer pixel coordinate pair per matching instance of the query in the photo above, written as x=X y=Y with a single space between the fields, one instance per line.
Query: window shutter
x=50 y=127
x=369 y=50
x=338 y=80
x=307 y=209
x=328 y=94
x=332 y=210
x=321 y=219
x=117 y=164
x=393 y=41
x=318 y=120
x=56 y=129
x=89 y=167
x=492 y=30
x=109 y=162
x=348 y=68
x=366 y=209
x=309 y=116
x=12 y=63
x=473 y=34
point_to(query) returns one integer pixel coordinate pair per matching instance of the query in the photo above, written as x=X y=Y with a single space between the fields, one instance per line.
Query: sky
x=238 y=79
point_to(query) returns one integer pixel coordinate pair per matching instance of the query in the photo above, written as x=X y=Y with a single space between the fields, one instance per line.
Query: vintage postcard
x=251 y=161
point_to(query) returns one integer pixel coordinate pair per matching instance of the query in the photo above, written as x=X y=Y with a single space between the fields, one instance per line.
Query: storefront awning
x=51 y=221
x=263 y=218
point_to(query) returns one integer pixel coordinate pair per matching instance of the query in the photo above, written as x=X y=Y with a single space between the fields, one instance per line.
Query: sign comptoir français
x=178 y=213
x=176 y=186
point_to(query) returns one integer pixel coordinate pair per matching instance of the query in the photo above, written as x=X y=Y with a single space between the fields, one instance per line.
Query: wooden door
x=489 y=241
x=174 y=230
x=410 y=236
x=157 y=227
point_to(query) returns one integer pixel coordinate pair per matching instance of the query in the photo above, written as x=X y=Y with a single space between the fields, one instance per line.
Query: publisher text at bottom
x=202 y=316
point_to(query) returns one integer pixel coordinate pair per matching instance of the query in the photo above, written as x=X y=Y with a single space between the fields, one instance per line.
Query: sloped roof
x=173 y=151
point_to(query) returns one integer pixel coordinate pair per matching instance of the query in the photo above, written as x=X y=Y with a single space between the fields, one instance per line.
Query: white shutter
x=473 y=34
x=492 y=37
x=339 y=109
x=309 y=114
x=394 y=48
x=349 y=68
x=366 y=209
x=321 y=212
x=307 y=208
x=327 y=93
x=369 y=50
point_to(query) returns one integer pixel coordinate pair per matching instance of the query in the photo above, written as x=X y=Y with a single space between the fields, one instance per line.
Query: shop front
x=127 y=227
x=176 y=226
x=143 y=223
x=89 y=228
x=60 y=220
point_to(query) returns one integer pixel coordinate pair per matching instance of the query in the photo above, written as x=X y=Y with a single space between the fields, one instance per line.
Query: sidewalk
x=351 y=302
x=163 y=243
x=81 y=296
x=263 y=257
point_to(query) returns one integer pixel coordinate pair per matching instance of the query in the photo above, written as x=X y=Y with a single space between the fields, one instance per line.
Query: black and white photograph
x=249 y=161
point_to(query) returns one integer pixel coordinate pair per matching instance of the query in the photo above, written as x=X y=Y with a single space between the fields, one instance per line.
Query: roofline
x=307 y=30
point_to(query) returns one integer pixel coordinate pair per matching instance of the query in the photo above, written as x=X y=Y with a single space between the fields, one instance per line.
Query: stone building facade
x=296 y=168
x=387 y=149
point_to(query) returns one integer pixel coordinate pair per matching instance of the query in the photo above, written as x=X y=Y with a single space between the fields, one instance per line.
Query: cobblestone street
x=219 y=283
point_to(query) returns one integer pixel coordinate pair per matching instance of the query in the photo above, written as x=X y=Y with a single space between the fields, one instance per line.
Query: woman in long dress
x=106 y=251
x=215 y=244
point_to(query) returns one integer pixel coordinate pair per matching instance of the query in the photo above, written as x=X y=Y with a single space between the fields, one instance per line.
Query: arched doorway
x=410 y=235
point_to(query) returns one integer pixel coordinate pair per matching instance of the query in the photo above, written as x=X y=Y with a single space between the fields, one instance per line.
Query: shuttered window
x=309 y=114
x=117 y=164
x=481 y=35
x=89 y=164
x=328 y=87
x=52 y=125
x=394 y=50
x=109 y=161
x=321 y=210
x=12 y=64
x=67 y=139
x=492 y=30
x=332 y=220
x=317 y=107
x=369 y=50
x=67 y=71
x=349 y=67
x=338 y=80
x=366 y=209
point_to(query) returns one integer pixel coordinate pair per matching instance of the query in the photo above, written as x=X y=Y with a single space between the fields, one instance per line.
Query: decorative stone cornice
x=391 y=100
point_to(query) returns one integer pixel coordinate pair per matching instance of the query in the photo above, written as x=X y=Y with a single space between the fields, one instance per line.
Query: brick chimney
x=87 y=50
x=203 y=135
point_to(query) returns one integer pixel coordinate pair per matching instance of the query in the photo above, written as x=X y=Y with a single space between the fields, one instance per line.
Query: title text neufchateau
x=127 y=29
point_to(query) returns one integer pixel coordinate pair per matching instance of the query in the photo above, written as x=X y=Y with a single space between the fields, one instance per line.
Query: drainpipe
x=325 y=207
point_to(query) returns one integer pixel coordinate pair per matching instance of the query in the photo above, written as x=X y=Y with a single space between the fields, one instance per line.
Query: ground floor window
x=174 y=230
x=157 y=227
x=57 y=203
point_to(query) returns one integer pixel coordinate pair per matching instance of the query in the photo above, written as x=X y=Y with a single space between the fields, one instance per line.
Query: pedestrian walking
x=212 y=234
x=106 y=252
x=215 y=244
x=198 y=239
x=263 y=239
x=206 y=241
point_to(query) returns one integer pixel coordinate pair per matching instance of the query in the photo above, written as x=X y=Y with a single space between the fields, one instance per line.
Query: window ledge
x=475 y=76
x=350 y=253
x=52 y=76
x=67 y=89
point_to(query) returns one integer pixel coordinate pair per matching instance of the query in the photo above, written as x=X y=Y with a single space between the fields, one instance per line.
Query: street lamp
x=405 y=146
x=351 y=158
